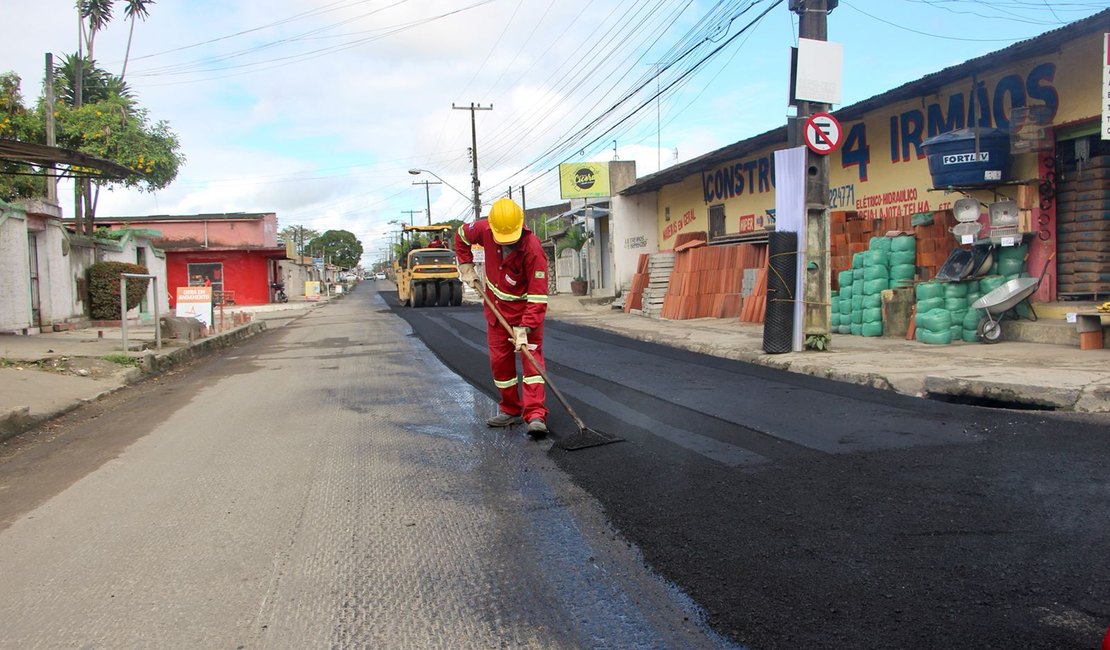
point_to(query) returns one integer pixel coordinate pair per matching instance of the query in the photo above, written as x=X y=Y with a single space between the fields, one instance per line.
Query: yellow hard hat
x=506 y=219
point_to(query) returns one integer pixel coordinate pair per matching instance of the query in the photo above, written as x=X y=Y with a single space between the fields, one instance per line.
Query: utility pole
x=474 y=151
x=410 y=213
x=813 y=24
x=51 y=180
x=427 y=197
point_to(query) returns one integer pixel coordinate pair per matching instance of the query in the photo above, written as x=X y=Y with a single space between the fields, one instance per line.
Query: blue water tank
x=953 y=160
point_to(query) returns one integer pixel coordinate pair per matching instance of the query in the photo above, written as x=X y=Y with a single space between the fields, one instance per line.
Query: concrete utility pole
x=410 y=213
x=427 y=196
x=51 y=179
x=813 y=24
x=474 y=151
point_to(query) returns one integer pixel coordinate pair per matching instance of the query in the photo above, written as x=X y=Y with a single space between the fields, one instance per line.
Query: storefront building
x=1046 y=93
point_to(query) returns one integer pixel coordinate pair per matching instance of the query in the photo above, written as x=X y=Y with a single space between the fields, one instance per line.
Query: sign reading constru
x=587 y=180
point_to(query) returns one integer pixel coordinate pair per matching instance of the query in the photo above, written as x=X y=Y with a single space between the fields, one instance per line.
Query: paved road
x=328 y=484
x=801 y=512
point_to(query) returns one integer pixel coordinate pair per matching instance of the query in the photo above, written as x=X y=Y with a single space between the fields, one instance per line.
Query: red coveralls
x=516 y=281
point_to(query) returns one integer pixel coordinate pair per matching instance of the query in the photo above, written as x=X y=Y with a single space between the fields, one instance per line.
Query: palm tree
x=135 y=9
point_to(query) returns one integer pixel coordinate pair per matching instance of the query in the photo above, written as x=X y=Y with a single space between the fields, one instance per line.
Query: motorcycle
x=279 y=292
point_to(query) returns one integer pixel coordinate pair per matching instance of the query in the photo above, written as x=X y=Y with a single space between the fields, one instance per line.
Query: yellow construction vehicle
x=426 y=271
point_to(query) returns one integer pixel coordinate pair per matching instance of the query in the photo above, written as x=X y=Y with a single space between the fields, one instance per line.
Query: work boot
x=537 y=428
x=504 y=420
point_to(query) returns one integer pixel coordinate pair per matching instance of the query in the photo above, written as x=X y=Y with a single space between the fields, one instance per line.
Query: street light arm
x=417 y=172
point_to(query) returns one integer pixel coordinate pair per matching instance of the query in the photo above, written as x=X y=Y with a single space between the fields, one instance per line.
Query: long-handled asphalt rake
x=585 y=437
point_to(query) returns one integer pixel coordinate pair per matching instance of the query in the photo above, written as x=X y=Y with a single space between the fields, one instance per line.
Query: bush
x=104 y=301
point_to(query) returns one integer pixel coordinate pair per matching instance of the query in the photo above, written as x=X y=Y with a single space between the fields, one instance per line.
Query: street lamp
x=473 y=201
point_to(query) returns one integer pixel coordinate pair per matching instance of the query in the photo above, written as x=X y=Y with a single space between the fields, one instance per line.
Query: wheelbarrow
x=1000 y=303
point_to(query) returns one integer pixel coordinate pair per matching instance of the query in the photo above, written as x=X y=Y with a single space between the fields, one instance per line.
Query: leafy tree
x=339 y=247
x=108 y=124
x=17 y=123
x=134 y=9
x=299 y=234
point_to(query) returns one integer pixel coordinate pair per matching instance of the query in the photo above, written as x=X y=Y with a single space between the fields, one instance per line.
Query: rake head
x=585 y=438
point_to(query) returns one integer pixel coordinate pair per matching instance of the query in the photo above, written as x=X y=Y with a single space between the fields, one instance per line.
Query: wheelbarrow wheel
x=989 y=331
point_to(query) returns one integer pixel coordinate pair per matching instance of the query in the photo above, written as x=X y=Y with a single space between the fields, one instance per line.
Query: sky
x=317 y=109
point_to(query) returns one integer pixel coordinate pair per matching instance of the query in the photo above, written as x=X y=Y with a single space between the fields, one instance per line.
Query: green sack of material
x=857 y=317
x=872 y=329
x=971 y=319
x=917 y=334
x=879 y=244
x=856 y=329
x=857 y=260
x=970 y=336
x=857 y=302
x=929 y=304
x=872 y=301
x=1024 y=310
x=1011 y=259
x=857 y=276
x=902 y=272
x=879 y=285
x=845 y=329
x=834 y=319
x=958 y=316
x=972 y=296
x=875 y=273
x=847 y=291
x=990 y=283
x=927 y=290
x=872 y=315
x=903 y=244
x=956 y=289
x=934 y=320
x=902 y=257
x=955 y=304
x=877 y=257
x=846 y=306
x=957 y=332
x=937 y=338
x=921 y=219
x=844 y=278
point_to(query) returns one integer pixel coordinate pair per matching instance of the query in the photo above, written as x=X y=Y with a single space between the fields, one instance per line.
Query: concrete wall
x=634 y=232
x=127 y=251
x=15 y=294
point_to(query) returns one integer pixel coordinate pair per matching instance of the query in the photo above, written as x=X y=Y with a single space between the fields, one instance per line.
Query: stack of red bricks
x=707 y=280
x=850 y=234
x=935 y=242
x=635 y=298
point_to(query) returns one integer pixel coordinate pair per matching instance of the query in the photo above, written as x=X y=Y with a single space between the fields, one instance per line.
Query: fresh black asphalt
x=806 y=513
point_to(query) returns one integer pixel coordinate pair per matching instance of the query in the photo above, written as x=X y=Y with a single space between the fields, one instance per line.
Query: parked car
x=380 y=275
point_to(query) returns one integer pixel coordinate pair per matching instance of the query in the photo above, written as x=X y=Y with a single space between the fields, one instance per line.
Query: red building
x=236 y=253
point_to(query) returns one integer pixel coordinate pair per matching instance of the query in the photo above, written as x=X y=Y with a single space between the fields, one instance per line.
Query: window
x=716 y=221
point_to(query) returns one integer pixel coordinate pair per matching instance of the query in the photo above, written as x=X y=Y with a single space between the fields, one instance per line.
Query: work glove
x=520 y=337
x=469 y=276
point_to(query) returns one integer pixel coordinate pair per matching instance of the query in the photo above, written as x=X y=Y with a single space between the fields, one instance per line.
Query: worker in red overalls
x=516 y=282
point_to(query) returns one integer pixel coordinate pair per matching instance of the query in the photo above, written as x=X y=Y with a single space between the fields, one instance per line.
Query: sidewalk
x=46 y=375
x=1031 y=374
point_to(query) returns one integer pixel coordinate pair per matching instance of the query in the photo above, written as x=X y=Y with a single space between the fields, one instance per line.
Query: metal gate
x=33 y=266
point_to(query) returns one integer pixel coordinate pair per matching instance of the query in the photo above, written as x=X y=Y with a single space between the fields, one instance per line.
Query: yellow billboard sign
x=588 y=180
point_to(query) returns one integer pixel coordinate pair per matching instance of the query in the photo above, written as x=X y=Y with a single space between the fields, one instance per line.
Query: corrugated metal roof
x=1048 y=42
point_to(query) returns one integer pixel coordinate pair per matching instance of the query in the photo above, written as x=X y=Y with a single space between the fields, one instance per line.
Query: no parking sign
x=822 y=133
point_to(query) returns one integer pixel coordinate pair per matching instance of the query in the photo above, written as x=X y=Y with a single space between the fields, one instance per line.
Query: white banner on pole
x=790 y=216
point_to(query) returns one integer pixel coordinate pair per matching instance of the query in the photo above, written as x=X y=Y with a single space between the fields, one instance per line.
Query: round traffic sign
x=822 y=133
